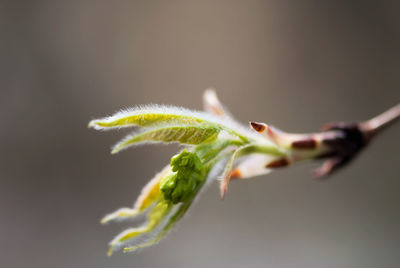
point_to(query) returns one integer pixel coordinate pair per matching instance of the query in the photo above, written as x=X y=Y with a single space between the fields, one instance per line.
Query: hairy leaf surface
x=150 y=116
x=182 y=134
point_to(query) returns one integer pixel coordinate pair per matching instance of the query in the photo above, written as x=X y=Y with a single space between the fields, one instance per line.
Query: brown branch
x=375 y=125
x=352 y=138
x=337 y=144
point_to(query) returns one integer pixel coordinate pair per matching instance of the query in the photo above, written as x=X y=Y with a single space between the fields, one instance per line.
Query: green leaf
x=158 y=213
x=149 y=116
x=172 y=220
x=182 y=134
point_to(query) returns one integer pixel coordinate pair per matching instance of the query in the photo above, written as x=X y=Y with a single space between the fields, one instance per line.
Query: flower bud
x=182 y=183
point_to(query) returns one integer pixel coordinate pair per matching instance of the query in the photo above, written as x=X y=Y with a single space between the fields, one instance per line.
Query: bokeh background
x=294 y=64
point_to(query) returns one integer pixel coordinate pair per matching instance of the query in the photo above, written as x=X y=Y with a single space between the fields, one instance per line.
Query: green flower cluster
x=186 y=177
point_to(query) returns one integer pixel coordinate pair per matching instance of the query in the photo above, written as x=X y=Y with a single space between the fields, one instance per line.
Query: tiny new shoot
x=215 y=146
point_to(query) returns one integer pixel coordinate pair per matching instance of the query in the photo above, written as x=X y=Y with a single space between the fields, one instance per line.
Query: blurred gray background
x=294 y=64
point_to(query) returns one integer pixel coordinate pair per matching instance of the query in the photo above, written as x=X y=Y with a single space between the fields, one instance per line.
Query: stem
x=255 y=148
x=235 y=133
x=374 y=125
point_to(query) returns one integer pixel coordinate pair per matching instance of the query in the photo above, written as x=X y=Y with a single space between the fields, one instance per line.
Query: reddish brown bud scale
x=235 y=174
x=309 y=143
x=282 y=162
x=257 y=126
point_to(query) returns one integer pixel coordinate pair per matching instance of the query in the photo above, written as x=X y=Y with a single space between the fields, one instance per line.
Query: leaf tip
x=104 y=221
x=110 y=251
x=223 y=188
x=92 y=124
x=96 y=124
x=115 y=150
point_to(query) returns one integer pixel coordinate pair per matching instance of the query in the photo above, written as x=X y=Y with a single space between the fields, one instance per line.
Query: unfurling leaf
x=156 y=216
x=149 y=195
x=225 y=178
x=182 y=134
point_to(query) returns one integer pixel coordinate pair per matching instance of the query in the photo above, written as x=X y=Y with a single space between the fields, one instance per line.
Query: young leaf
x=149 y=195
x=176 y=214
x=182 y=134
x=150 y=116
x=157 y=214
x=226 y=174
